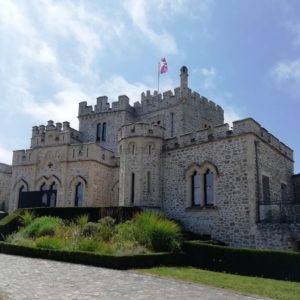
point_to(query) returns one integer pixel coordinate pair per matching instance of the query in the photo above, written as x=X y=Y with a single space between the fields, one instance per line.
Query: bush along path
x=147 y=232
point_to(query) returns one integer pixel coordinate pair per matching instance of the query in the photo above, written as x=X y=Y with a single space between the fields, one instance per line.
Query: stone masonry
x=170 y=151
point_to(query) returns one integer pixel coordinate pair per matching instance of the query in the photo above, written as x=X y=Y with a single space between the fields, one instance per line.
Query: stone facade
x=170 y=151
x=5 y=180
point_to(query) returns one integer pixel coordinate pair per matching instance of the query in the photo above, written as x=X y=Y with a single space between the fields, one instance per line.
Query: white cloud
x=151 y=19
x=208 y=77
x=284 y=71
x=287 y=75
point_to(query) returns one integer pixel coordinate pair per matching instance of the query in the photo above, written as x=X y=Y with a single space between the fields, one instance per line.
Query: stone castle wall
x=5 y=182
x=66 y=165
x=296 y=181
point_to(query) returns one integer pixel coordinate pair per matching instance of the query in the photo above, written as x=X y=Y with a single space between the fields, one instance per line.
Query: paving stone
x=35 y=279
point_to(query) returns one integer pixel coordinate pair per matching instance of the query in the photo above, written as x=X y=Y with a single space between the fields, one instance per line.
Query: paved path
x=29 y=278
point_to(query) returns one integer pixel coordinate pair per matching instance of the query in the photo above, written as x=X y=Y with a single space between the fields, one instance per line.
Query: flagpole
x=158 y=73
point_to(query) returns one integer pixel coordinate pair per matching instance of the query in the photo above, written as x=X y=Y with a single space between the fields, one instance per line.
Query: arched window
x=196 y=189
x=209 y=188
x=52 y=194
x=79 y=194
x=98 y=133
x=201 y=183
x=104 y=132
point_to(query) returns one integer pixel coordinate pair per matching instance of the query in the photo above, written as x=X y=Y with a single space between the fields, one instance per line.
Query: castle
x=170 y=151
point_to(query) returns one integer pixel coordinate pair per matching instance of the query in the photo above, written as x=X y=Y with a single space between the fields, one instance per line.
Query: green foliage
x=271 y=264
x=82 y=220
x=18 y=239
x=49 y=242
x=268 y=288
x=158 y=233
x=106 y=228
x=27 y=217
x=87 y=244
x=90 y=229
x=42 y=226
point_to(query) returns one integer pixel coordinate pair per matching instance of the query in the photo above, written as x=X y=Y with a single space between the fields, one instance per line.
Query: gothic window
x=266 y=188
x=200 y=185
x=196 y=189
x=132 y=187
x=79 y=194
x=209 y=188
x=98 y=133
x=104 y=132
x=284 y=196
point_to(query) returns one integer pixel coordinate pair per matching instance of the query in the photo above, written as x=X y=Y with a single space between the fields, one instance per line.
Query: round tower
x=140 y=146
x=184 y=82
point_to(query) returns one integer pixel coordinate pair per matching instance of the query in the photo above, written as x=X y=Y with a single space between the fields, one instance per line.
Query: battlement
x=248 y=125
x=104 y=106
x=141 y=130
x=74 y=152
x=60 y=133
x=148 y=103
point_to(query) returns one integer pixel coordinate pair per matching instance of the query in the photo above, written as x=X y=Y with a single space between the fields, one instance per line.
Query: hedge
x=12 y=222
x=262 y=263
x=106 y=261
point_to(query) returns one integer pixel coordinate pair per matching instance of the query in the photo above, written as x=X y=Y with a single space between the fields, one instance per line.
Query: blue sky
x=244 y=55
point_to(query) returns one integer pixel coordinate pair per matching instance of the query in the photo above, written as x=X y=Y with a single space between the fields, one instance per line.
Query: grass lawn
x=269 y=288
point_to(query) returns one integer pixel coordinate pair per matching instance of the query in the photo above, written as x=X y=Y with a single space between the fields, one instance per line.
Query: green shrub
x=125 y=232
x=90 y=229
x=42 y=226
x=104 y=248
x=157 y=233
x=82 y=220
x=49 y=242
x=27 y=217
x=18 y=239
x=106 y=228
x=87 y=244
x=266 y=263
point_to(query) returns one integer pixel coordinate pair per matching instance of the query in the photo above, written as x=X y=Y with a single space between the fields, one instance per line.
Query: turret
x=140 y=145
x=184 y=83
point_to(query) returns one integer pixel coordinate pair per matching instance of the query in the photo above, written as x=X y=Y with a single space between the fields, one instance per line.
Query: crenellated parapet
x=54 y=134
x=141 y=130
x=103 y=105
x=240 y=127
x=70 y=153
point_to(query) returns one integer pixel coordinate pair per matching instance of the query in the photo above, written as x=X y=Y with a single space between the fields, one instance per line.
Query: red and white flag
x=163 y=67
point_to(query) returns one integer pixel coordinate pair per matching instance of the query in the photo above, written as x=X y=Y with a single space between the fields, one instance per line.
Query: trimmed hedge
x=263 y=263
x=13 y=221
x=106 y=261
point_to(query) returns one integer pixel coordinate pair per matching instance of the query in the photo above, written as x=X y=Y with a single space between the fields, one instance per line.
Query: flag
x=163 y=67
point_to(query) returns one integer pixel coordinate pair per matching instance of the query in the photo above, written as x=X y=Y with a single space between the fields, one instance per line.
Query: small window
x=209 y=188
x=266 y=188
x=132 y=187
x=148 y=182
x=172 y=124
x=79 y=194
x=98 y=134
x=133 y=149
x=104 y=132
x=284 y=195
x=196 y=189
